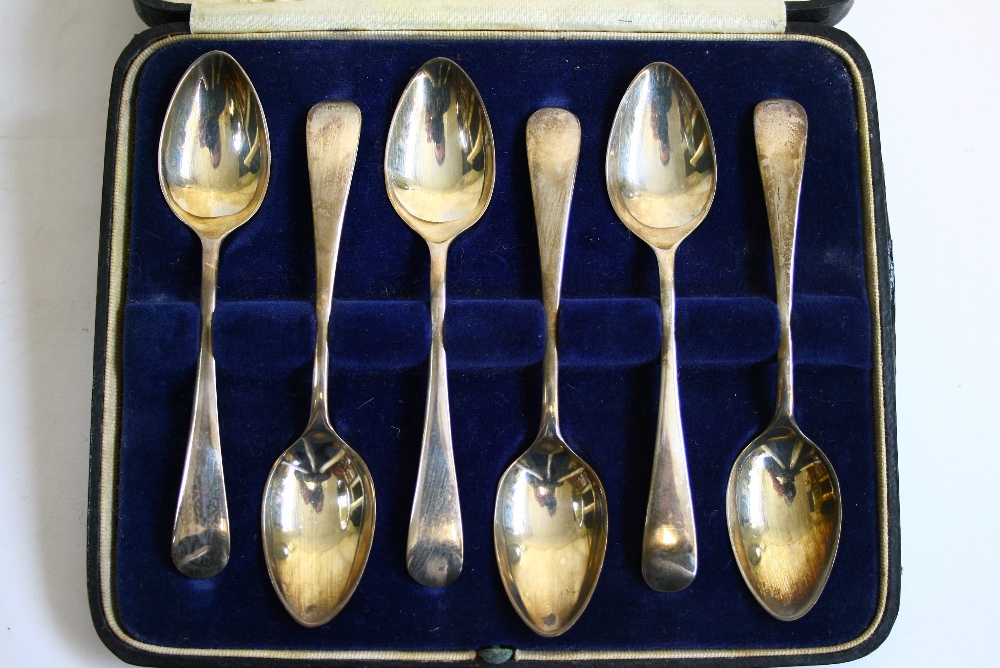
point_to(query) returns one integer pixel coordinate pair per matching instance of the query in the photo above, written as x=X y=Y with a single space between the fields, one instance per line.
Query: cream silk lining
x=693 y=16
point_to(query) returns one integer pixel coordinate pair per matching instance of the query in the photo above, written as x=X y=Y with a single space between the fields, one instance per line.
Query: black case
x=809 y=18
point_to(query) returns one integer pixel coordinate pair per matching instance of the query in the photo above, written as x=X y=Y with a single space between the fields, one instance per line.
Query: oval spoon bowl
x=550 y=531
x=439 y=158
x=215 y=156
x=318 y=525
x=784 y=518
x=661 y=170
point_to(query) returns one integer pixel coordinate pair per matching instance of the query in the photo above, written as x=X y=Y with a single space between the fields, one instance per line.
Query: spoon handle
x=780 y=129
x=200 y=547
x=553 y=139
x=435 y=547
x=669 y=542
x=333 y=129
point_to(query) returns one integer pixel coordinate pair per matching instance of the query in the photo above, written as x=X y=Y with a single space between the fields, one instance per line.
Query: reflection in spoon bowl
x=213 y=153
x=551 y=518
x=672 y=210
x=317 y=513
x=436 y=161
x=661 y=148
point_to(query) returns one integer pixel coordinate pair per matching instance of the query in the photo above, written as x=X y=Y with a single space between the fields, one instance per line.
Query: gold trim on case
x=111 y=415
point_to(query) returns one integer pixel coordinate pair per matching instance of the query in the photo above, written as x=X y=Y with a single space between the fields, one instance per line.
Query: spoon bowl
x=214 y=150
x=214 y=162
x=661 y=177
x=550 y=532
x=318 y=511
x=439 y=158
x=784 y=519
x=439 y=175
x=660 y=168
x=783 y=504
x=318 y=523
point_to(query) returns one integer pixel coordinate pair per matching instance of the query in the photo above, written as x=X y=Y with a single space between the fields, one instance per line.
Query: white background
x=936 y=74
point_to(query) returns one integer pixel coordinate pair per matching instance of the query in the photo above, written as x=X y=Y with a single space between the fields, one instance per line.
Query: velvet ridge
x=727 y=335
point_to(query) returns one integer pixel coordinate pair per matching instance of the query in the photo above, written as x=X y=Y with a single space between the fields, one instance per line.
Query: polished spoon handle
x=780 y=129
x=435 y=546
x=669 y=542
x=333 y=129
x=201 y=543
x=553 y=138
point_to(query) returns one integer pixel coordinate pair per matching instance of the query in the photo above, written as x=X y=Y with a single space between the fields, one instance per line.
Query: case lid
x=828 y=12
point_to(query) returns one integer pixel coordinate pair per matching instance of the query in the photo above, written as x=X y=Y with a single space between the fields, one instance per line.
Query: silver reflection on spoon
x=783 y=504
x=439 y=175
x=214 y=165
x=318 y=511
x=550 y=525
x=662 y=177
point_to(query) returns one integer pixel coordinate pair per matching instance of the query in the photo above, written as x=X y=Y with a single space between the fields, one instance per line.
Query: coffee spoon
x=439 y=174
x=214 y=165
x=783 y=503
x=661 y=178
x=550 y=526
x=318 y=512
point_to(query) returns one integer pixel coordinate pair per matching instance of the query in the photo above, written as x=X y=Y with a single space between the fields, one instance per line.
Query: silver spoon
x=439 y=174
x=661 y=180
x=214 y=165
x=550 y=526
x=318 y=513
x=783 y=501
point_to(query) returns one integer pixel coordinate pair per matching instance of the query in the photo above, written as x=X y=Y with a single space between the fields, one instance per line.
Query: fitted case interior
x=609 y=341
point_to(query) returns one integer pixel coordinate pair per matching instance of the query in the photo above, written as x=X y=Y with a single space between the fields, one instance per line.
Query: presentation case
x=609 y=341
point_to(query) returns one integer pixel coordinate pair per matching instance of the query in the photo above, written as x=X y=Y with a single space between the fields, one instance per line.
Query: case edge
x=128 y=55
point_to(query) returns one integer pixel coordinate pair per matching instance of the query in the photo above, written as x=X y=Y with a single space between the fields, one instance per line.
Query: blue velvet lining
x=610 y=336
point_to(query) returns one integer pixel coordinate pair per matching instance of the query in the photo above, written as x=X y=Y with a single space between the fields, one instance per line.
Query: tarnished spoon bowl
x=784 y=519
x=319 y=521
